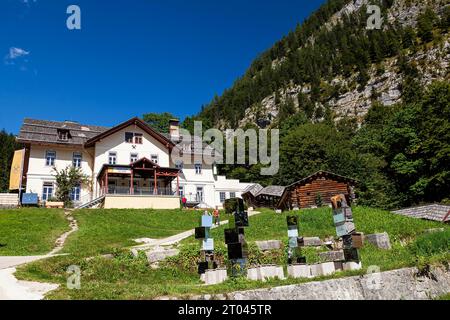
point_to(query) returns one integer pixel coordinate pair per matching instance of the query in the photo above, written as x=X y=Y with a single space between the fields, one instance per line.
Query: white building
x=130 y=165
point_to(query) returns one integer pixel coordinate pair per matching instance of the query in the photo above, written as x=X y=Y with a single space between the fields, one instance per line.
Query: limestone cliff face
x=385 y=79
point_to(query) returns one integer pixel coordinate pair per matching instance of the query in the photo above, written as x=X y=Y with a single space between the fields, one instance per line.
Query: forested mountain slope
x=332 y=64
x=373 y=105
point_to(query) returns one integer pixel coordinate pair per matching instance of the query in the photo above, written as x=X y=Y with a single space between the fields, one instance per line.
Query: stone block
x=263 y=273
x=269 y=245
x=328 y=268
x=268 y=272
x=312 y=242
x=299 y=271
x=322 y=269
x=161 y=254
x=349 y=266
x=331 y=256
x=212 y=277
x=253 y=274
x=316 y=270
x=338 y=265
x=380 y=240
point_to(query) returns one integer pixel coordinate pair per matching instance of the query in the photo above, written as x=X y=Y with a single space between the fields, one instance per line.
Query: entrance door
x=200 y=194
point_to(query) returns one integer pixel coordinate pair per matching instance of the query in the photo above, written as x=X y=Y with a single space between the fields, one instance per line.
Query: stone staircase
x=434 y=212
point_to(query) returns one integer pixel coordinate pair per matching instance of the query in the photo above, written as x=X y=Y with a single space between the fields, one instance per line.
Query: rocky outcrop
x=404 y=284
x=385 y=80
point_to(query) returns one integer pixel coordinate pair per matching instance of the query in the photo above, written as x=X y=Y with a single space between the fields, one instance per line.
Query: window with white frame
x=232 y=195
x=181 y=191
x=50 y=157
x=138 y=138
x=129 y=136
x=179 y=165
x=198 y=168
x=112 y=158
x=75 y=194
x=47 y=191
x=135 y=138
x=155 y=158
x=223 y=197
x=134 y=157
x=77 y=159
x=63 y=135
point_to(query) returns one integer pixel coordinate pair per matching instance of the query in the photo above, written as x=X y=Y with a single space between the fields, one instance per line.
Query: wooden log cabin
x=304 y=193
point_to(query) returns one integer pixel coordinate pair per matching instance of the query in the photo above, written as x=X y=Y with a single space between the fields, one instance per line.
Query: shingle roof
x=276 y=191
x=324 y=174
x=434 y=212
x=133 y=121
x=253 y=189
x=43 y=131
x=46 y=132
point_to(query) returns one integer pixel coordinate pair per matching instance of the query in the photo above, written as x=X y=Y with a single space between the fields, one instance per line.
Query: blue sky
x=130 y=57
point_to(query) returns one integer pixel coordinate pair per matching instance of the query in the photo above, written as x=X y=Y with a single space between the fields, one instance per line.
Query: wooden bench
x=54 y=205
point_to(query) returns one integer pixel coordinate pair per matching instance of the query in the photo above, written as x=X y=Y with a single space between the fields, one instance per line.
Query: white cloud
x=15 y=53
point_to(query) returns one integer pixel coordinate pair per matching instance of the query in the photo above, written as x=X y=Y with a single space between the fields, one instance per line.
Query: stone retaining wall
x=9 y=200
x=403 y=284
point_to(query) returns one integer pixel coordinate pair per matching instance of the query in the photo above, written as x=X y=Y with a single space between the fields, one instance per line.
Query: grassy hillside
x=125 y=277
x=30 y=231
x=101 y=231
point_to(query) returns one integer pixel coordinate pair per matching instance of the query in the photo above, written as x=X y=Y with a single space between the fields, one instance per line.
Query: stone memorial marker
x=235 y=240
x=203 y=234
x=295 y=242
x=381 y=240
x=345 y=229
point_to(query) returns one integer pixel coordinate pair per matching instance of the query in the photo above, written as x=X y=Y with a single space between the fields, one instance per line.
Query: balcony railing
x=141 y=191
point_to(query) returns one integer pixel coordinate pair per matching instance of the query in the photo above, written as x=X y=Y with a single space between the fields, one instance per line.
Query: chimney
x=174 y=129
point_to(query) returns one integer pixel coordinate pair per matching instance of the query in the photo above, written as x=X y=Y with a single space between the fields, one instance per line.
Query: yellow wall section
x=141 y=202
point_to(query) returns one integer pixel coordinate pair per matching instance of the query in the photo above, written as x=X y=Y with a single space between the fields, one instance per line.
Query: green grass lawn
x=30 y=231
x=102 y=231
x=125 y=277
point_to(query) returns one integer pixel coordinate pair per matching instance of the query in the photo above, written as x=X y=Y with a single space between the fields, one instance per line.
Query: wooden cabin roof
x=324 y=174
x=275 y=191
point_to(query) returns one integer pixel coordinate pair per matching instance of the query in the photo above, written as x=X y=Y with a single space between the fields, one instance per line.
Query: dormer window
x=138 y=138
x=131 y=137
x=179 y=165
x=63 y=135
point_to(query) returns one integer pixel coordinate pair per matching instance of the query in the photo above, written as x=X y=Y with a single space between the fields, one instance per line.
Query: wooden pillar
x=178 y=184
x=106 y=183
x=132 y=182
x=155 y=190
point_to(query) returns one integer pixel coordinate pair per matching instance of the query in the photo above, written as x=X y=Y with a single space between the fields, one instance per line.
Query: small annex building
x=324 y=185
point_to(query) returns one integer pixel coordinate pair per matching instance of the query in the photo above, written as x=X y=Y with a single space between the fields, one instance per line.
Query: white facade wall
x=116 y=143
x=228 y=186
x=39 y=173
x=94 y=158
